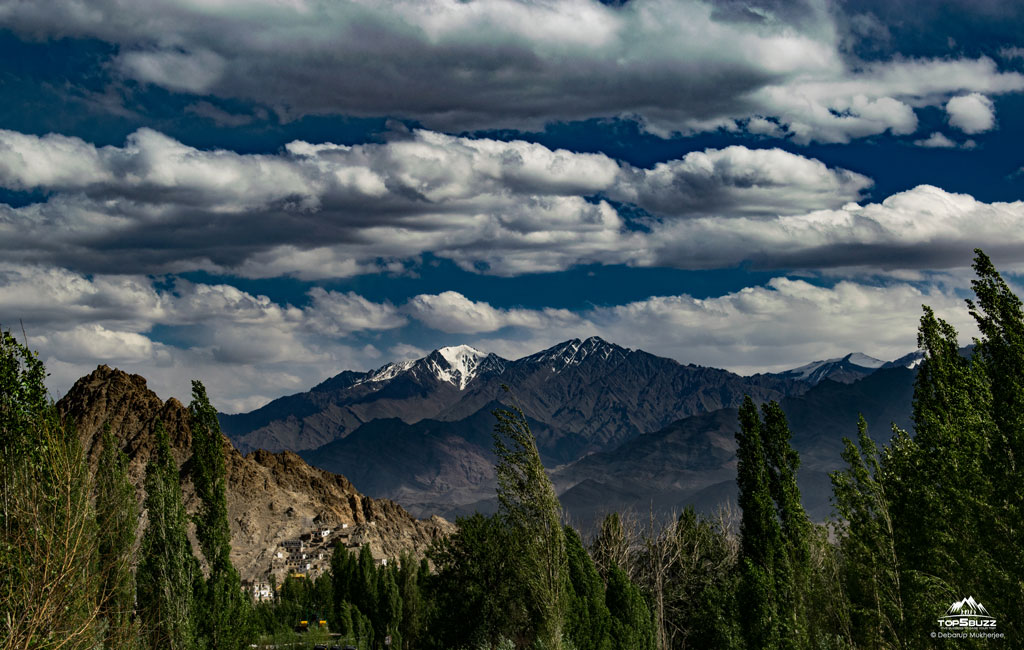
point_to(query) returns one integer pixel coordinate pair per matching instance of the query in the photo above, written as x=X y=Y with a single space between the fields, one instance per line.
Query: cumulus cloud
x=736 y=181
x=761 y=329
x=452 y=312
x=325 y=210
x=937 y=140
x=768 y=327
x=974 y=113
x=245 y=346
x=922 y=228
x=503 y=63
x=315 y=211
x=249 y=349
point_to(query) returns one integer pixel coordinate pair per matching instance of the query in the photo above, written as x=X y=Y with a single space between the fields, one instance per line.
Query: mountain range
x=618 y=427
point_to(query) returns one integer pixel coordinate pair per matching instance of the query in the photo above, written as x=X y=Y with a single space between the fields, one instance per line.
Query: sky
x=262 y=193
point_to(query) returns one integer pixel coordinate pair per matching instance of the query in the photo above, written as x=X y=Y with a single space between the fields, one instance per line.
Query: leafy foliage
x=223 y=610
x=530 y=508
x=168 y=571
x=49 y=578
x=117 y=519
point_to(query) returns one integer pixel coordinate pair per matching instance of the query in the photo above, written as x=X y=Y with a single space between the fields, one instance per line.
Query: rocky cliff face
x=271 y=497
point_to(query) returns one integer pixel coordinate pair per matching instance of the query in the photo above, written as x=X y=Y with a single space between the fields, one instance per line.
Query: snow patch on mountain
x=572 y=353
x=863 y=360
x=816 y=369
x=463 y=363
x=388 y=372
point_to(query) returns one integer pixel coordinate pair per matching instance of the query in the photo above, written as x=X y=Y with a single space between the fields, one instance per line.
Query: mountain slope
x=271 y=497
x=845 y=370
x=693 y=460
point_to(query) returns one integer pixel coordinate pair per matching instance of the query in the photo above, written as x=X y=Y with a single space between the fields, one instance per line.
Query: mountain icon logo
x=967 y=607
x=967 y=614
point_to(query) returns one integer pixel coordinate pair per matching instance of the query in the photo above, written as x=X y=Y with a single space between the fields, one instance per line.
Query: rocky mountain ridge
x=272 y=497
x=590 y=394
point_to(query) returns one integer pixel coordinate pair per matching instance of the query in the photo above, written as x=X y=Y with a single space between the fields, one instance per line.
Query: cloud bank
x=457 y=66
x=250 y=349
x=312 y=211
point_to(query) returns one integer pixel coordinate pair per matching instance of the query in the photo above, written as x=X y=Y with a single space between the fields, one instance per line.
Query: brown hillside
x=272 y=497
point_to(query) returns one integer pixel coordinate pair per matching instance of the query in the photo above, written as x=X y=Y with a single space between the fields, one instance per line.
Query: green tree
x=938 y=483
x=168 y=571
x=224 y=620
x=587 y=620
x=1000 y=354
x=791 y=589
x=414 y=610
x=528 y=504
x=763 y=561
x=632 y=624
x=700 y=581
x=365 y=595
x=866 y=530
x=344 y=568
x=387 y=614
x=117 y=518
x=477 y=595
x=49 y=582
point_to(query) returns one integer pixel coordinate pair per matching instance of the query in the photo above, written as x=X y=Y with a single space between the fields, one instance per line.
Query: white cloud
x=335 y=314
x=502 y=208
x=937 y=140
x=770 y=327
x=248 y=349
x=452 y=312
x=759 y=329
x=922 y=228
x=243 y=346
x=501 y=63
x=974 y=113
x=738 y=181
x=329 y=210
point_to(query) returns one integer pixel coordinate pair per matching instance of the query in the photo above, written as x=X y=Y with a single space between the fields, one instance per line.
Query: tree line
x=920 y=522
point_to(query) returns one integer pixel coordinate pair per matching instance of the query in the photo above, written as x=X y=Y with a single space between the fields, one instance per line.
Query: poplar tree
x=867 y=541
x=168 y=571
x=999 y=314
x=117 y=519
x=529 y=506
x=224 y=607
x=632 y=624
x=762 y=557
x=587 y=621
x=791 y=588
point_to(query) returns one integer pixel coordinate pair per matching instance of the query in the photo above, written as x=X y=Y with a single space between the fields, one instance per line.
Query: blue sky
x=261 y=194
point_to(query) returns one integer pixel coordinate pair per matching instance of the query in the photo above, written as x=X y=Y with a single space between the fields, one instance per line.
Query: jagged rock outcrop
x=271 y=497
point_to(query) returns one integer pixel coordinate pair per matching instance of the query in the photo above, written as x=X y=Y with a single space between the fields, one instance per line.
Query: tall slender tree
x=632 y=624
x=528 y=504
x=782 y=463
x=168 y=571
x=225 y=611
x=762 y=558
x=867 y=539
x=999 y=314
x=588 y=621
x=117 y=519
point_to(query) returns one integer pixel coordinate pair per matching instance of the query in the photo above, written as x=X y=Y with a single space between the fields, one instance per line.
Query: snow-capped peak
x=573 y=352
x=390 y=371
x=863 y=360
x=462 y=361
